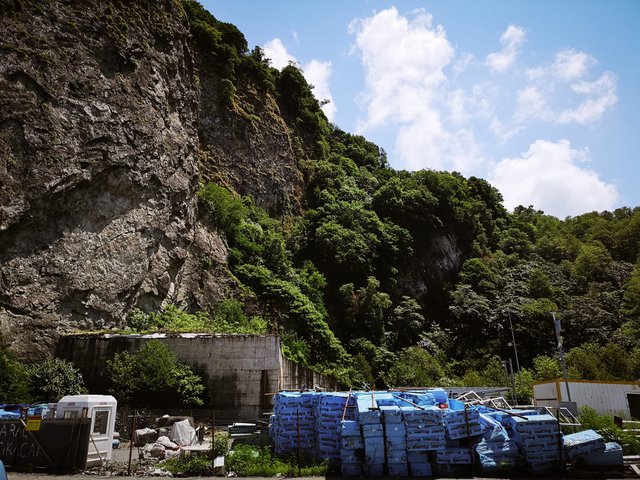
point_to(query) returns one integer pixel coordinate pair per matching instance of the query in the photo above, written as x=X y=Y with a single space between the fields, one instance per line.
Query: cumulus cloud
x=511 y=41
x=531 y=103
x=318 y=74
x=601 y=96
x=550 y=176
x=275 y=51
x=404 y=58
x=315 y=72
x=571 y=65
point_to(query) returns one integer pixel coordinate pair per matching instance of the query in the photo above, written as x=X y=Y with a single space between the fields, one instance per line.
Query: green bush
x=196 y=464
x=14 y=378
x=159 y=378
x=52 y=379
x=605 y=426
x=249 y=461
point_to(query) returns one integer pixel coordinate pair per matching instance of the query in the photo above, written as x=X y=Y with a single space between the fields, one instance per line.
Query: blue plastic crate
x=398 y=469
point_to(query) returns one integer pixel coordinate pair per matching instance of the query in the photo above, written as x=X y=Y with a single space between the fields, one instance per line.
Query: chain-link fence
x=148 y=437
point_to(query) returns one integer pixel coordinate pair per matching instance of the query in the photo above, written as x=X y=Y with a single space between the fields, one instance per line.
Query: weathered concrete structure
x=240 y=371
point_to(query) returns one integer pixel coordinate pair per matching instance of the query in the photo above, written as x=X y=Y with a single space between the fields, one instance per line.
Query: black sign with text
x=57 y=445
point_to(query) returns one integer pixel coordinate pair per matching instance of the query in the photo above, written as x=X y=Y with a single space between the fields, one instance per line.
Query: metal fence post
x=298 y=428
x=213 y=439
x=133 y=432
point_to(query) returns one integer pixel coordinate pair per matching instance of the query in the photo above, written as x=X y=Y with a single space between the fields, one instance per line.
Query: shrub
x=249 y=461
x=55 y=378
x=160 y=379
x=197 y=464
x=14 y=380
x=604 y=425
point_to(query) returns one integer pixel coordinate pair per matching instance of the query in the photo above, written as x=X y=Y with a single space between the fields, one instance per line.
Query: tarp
x=183 y=433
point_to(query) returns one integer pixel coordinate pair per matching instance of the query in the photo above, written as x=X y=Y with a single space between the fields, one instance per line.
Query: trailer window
x=100 y=422
x=71 y=414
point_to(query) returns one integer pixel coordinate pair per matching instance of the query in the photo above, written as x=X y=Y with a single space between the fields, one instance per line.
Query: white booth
x=101 y=409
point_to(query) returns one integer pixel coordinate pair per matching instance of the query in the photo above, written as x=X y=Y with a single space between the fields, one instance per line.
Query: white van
x=101 y=409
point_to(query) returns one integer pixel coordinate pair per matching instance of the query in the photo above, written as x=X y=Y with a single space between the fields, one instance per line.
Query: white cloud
x=275 y=51
x=531 y=104
x=502 y=132
x=571 y=65
x=511 y=40
x=601 y=97
x=406 y=87
x=536 y=73
x=461 y=63
x=457 y=106
x=316 y=73
x=549 y=177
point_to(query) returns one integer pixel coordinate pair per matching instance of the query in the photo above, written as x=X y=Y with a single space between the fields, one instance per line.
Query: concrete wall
x=295 y=376
x=240 y=371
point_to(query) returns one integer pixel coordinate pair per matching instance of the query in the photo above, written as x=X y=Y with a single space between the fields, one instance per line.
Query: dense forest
x=338 y=279
x=394 y=278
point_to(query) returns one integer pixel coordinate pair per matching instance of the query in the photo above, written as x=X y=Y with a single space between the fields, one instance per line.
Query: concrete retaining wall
x=240 y=371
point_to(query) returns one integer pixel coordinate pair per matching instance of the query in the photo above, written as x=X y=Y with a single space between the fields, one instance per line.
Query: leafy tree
x=52 y=379
x=415 y=367
x=546 y=368
x=160 y=379
x=539 y=285
x=631 y=301
x=14 y=380
x=299 y=313
x=593 y=262
x=365 y=310
x=477 y=273
x=585 y=360
x=407 y=321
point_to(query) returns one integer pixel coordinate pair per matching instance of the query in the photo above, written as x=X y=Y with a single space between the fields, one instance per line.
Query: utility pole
x=508 y=372
x=558 y=327
x=515 y=352
x=513 y=340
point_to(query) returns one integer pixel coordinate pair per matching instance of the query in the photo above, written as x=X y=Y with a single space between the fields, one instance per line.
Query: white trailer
x=614 y=398
x=101 y=409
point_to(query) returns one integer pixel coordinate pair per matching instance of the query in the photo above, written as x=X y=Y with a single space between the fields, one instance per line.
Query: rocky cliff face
x=104 y=125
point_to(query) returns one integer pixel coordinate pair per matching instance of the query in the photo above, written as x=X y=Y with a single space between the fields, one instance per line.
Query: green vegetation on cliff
x=396 y=278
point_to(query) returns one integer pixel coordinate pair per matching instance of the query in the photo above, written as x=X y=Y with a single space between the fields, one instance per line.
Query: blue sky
x=540 y=97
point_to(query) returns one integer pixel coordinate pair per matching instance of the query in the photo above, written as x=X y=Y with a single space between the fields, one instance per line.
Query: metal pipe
x=558 y=328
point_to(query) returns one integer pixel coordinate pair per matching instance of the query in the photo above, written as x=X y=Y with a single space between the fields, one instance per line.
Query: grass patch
x=249 y=461
x=604 y=425
x=195 y=464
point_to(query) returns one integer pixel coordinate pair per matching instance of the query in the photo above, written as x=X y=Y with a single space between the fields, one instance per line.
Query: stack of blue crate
x=425 y=429
x=497 y=457
x=496 y=452
x=352 y=447
x=462 y=423
x=396 y=443
x=293 y=425
x=329 y=412
x=583 y=444
x=611 y=457
x=538 y=438
x=370 y=420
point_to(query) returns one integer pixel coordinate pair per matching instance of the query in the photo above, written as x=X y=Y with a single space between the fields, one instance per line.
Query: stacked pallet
x=540 y=442
x=329 y=412
x=419 y=434
x=293 y=425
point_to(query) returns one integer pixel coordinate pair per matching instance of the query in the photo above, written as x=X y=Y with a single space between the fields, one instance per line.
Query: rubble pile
x=167 y=438
x=425 y=433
